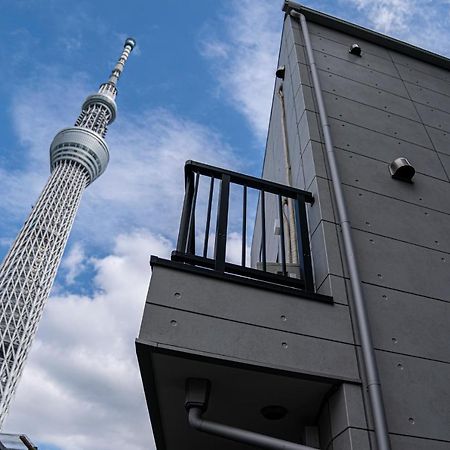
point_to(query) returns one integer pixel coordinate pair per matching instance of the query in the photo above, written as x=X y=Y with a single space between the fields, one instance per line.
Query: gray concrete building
x=334 y=334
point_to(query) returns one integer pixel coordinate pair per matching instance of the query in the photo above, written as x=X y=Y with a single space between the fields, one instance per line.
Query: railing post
x=244 y=225
x=191 y=233
x=208 y=218
x=263 y=230
x=282 y=238
x=222 y=224
x=186 y=213
x=304 y=252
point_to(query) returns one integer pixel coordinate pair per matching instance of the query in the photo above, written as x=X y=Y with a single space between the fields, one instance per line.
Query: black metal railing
x=194 y=244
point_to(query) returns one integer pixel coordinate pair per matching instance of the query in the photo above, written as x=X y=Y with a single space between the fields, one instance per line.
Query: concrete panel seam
x=350 y=62
x=347 y=429
x=423 y=73
x=424 y=438
x=426 y=88
x=385 y=134
x=399 y=240
x=410 y=355
x=264 y=327
x=395 y=198
x=336 y=74
x=337 y=119
x=405 y=292
x=386 y=111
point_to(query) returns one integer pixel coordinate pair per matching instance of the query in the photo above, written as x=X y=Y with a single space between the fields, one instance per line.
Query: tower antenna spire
x=118 y=68
x=110 y=87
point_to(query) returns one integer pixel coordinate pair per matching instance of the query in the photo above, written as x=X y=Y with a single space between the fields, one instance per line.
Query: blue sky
x=198 y=86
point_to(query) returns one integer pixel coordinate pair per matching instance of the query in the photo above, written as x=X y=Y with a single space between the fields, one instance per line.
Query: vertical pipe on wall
x=357 y=300
x=290 y=223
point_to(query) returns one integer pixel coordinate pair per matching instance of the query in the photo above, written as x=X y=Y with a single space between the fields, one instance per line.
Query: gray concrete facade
x=259 y=347
x=380 y=106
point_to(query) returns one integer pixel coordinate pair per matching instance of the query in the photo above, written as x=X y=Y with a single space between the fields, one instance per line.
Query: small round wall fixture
x=280 y=72
x=274 y=412
x=355 y=49
x=401 y=169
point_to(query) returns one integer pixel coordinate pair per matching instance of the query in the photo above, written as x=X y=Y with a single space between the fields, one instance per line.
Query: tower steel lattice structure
x=78 y=155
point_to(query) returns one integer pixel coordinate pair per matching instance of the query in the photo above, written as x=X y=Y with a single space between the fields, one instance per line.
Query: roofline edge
x=368 y=35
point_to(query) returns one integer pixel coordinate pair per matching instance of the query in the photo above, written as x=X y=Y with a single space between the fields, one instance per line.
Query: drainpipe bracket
x=197 y=393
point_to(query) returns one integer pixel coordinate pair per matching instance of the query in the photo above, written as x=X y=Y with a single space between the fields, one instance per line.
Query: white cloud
x=388 y=15
x=422 y=23
x=73 y=263
x=81 y=387
x=244 y=58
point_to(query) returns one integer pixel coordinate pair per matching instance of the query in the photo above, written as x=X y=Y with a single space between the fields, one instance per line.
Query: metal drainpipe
x=238 y=434
x=293 y=251
x=357 y=301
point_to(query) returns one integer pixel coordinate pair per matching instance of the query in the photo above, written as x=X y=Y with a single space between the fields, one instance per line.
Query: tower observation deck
x=78 y=155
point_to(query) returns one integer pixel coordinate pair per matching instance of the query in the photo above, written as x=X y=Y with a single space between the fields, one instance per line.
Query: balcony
x=250 y=323
x=236 y=192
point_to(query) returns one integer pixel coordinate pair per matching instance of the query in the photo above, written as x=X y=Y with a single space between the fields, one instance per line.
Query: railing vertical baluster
x=191 y=235
x=244 y=225
x=283 y=249
x=208 y=218
x=186 y=213
x=222 y=223
x=304 y=252
x=263 y=231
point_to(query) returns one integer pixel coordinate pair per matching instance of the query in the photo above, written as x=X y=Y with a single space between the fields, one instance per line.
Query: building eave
x=368 y=35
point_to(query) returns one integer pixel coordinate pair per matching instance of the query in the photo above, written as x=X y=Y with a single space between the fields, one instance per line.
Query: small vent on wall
x=401 y=169
x=355 y=49
x=280 y=72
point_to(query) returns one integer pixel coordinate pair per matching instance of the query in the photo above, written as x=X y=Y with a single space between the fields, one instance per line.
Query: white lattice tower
x=78 y=155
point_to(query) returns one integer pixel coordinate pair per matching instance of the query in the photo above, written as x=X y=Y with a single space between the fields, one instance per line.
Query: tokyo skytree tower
x=78 y=155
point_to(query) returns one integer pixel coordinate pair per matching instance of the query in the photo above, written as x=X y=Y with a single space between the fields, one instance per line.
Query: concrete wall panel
x=362 y=74
x=326 y=252
x=414 y=443
x=376 y=120
x=250 y=344
x=401 y=323
x=385 y=148
x=440 y=139
x=416 y=395
x=420 y=66
x=374 y=176
x=348 y=40
x=398 y=265
x=352 y=439
x=434 y=117
x=368 y=95
x=424 y=80
x=428 y=97
x=339 y=50
x=248 y=305
x=346 y=408
x=400 y=220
